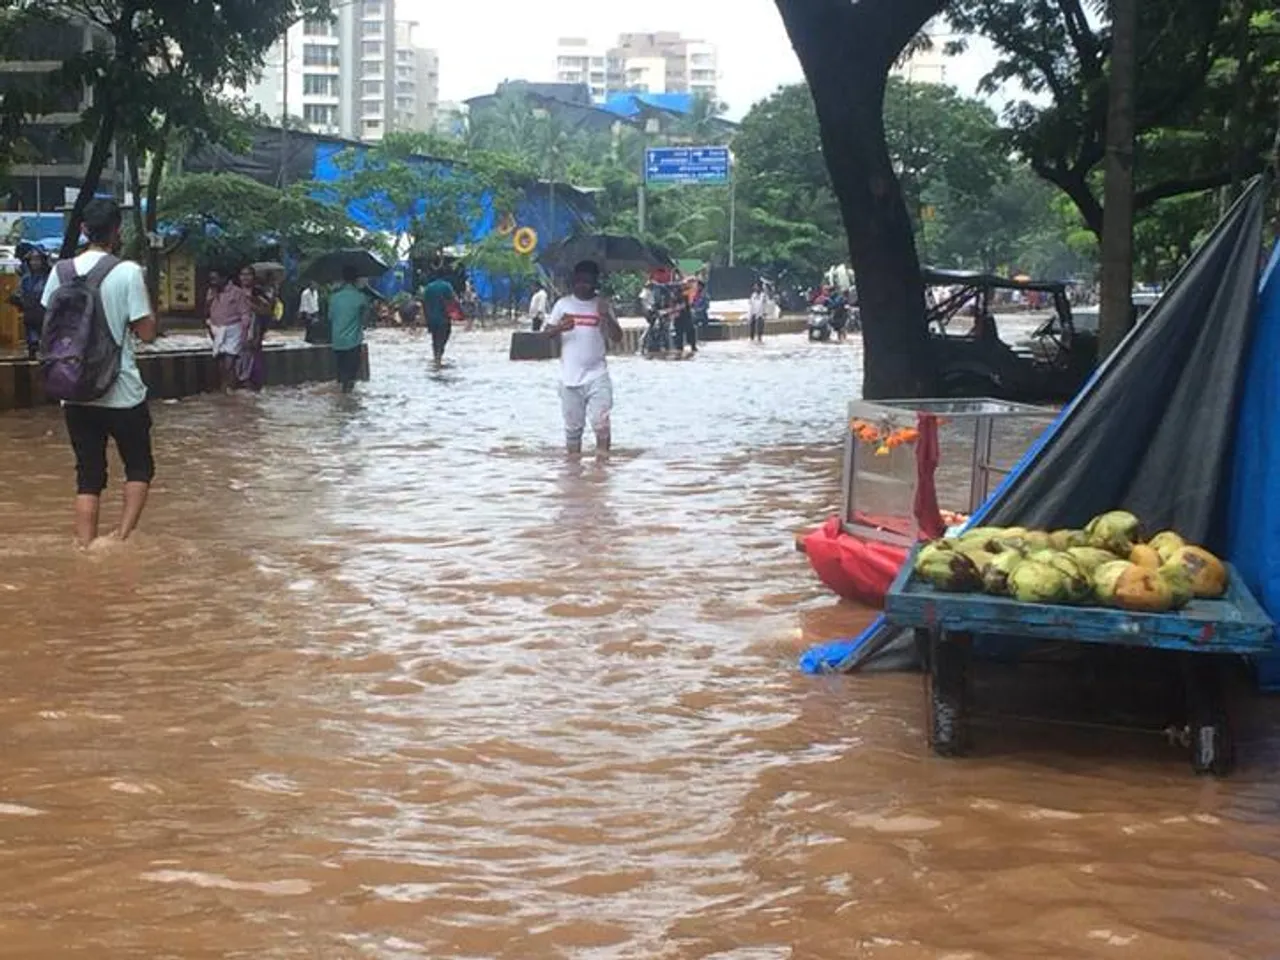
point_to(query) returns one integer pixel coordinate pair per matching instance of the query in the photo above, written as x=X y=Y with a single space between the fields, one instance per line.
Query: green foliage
x=229 y=219
x=153 y=67
x=1208 y=82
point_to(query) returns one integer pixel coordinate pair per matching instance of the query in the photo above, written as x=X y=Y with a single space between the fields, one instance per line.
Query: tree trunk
x=92 y=177
x=134 y=166
x=158 y=159
x=1117 y=224
x=848 y=92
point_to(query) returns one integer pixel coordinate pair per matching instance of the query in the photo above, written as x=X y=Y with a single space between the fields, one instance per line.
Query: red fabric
x=856 y=569
x=928 y=453
x=453 y=310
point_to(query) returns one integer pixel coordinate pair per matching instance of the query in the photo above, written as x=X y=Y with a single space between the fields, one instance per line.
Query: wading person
x=439 y=305
x=252 y=368
x=585 y=321
x=230 y=318
x=30 y=298
x=348 y=305
x=118 y=290
x=309 y=311
x=538 y=308
x=757 y=307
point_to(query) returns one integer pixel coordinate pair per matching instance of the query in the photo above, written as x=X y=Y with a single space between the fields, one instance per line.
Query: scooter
x=657 y=340
x=820 y=326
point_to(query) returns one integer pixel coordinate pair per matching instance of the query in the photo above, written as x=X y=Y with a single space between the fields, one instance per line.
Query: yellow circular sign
x=525 y=240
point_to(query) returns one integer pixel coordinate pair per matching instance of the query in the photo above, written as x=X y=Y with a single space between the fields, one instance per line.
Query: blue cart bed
x=947 y=623
x=1234 y=624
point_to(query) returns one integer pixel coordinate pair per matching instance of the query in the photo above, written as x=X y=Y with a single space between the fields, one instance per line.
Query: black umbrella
x=330 y=267
x=613 y=253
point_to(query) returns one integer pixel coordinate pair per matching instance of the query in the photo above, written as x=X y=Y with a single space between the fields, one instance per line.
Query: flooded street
x=385 y=677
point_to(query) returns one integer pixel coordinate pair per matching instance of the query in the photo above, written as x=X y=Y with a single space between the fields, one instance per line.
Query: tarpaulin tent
x=1253 y=517
x=1154 y=430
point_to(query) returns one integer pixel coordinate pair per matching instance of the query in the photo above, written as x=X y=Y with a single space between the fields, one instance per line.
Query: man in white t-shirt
x=538 y=308
x=120 y=414
x=584 y=321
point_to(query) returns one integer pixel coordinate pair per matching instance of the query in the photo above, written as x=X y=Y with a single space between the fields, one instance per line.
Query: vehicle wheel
x=946 y=681
x=813 y=336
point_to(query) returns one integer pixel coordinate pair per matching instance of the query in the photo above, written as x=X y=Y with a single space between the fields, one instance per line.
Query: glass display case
x=893 y=470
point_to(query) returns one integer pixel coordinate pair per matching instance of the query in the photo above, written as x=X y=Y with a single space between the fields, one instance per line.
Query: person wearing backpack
x=96 y=307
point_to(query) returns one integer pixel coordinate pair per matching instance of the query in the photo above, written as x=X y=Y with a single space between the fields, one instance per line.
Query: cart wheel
x=948 y=666
x=1213 y=748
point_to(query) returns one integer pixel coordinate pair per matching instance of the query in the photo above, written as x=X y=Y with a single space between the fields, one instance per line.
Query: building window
x=319 y=28
x=319 y=85
x=372 y=28
x=314 y=55
x=371 y=108
x=372 y=126
x=703 y=76
x=371 y=69
x=320 y=115
x=371 y=48
x=371 y=88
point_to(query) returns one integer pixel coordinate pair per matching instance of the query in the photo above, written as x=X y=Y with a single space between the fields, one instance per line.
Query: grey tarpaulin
x=1152 y=432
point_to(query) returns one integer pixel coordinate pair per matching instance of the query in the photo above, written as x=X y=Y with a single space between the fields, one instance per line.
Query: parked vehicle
x=1049 y=366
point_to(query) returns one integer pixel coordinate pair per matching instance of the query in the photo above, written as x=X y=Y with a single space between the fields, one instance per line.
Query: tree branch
x=1176 y=188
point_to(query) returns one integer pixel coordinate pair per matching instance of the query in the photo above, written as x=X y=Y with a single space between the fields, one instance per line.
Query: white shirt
x=125 y=300
x=582 y=349
x=758 y=304
x=538 y=305
x=309 y=302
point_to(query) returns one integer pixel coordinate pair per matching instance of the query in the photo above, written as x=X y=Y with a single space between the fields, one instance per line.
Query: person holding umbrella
x=584 y=321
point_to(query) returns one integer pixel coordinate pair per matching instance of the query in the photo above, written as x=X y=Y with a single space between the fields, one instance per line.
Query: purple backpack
x=78 y=354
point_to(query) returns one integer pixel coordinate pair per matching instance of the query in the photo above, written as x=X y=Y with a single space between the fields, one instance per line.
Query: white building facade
x=342 y=77
x=662 y=62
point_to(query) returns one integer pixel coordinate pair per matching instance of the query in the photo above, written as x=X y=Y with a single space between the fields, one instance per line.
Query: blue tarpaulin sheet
x=1253 y=543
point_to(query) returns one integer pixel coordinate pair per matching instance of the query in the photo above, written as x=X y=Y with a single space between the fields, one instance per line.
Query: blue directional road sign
x=686 y=165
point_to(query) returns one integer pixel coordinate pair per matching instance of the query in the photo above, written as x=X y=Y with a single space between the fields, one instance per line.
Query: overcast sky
x=483 y=42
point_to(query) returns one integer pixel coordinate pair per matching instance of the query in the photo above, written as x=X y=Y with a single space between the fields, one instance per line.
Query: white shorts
x=590 y=403
x=228 y=341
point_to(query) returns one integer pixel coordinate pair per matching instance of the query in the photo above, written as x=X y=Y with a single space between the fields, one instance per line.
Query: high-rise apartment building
x=53 y=158
x=344 y=76
x=662 y=62
x=417 y=83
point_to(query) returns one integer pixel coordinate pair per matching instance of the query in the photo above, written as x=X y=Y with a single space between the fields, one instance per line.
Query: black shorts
x=89 y=427
x=348 y=363
x=440 y=333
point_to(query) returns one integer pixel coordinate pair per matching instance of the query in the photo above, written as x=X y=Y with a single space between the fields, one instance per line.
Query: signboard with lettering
x=675 y=165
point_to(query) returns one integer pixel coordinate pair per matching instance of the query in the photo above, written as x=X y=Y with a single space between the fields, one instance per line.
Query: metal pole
x=39 y=199
x=640 y=197
x=284 y=112
x=733 y=208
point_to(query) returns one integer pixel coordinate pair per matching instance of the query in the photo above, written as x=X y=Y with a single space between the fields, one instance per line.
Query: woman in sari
x=253 y=366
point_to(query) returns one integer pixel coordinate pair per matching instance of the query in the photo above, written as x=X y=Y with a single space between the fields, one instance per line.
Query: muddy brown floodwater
x=385 y=677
